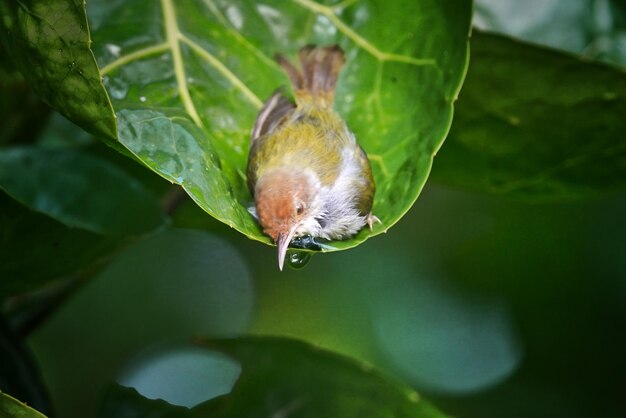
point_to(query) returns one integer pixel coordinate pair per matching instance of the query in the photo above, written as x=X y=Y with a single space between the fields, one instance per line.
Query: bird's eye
x=299 y=208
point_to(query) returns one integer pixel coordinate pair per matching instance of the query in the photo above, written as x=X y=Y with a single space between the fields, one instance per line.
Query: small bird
x=308 y=175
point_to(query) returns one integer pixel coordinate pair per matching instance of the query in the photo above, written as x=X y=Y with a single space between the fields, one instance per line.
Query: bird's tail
x=320 y=67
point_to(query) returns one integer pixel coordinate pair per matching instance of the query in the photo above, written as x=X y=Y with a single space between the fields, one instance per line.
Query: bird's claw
x=371 y=220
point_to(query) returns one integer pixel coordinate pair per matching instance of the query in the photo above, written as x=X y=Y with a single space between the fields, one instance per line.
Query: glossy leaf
x=49 y=43
x=288 y=376
x=187 y=78
x=79 y=190
x=533 y=123
x=12 y=408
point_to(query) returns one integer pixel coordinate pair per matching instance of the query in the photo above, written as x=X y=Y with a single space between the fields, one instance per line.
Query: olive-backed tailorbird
x=306 y=171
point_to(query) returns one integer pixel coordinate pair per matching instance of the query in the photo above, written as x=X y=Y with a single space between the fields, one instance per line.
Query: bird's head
x=284 y=201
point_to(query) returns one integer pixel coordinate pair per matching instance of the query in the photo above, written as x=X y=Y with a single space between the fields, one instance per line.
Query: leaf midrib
x=172 y=34
x=174 y=37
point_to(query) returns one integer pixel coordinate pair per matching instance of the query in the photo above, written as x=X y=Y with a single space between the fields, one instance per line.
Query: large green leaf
x=534 y=123
x=49 y=43
x=187 y=78
x=12 y=408
x=79 y=190
x=283 y=377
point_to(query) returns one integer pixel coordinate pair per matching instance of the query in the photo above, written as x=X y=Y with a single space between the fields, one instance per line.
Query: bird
x=306 y=171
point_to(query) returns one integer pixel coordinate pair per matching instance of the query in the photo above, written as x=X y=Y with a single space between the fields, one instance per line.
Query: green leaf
x=12 y=408
x=186 y=84
x=79 y=190
x=279 y=374
x=533 y=123
x=186 y=80
x=49 y=43
x=35 y=249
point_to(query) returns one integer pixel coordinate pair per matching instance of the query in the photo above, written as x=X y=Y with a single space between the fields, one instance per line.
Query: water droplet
x=298 y=259
x=117 y=88
x=323 y=26
x=235 y=17
x=113 y=49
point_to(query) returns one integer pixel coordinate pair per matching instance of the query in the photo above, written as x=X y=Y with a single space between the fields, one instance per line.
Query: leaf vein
x=173 y=36
x=359 y=40
x=133 y=56
x=222 y=69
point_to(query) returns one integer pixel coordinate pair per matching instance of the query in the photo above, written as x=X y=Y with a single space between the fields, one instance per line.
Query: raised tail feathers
x=320 y=67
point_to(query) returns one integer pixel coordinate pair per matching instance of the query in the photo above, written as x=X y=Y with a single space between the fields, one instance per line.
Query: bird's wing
x=271 y=114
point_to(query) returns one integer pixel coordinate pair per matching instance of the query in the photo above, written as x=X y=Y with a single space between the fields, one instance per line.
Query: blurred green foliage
x=507 y=110
x=484 y=306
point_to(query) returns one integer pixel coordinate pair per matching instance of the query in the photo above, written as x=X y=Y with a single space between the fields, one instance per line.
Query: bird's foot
x=371 y=220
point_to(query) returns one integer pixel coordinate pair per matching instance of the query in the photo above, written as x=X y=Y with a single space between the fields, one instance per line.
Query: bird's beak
x=282 y=242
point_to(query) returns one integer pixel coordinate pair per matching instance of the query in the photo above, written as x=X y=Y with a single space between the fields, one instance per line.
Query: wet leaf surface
x=49 y=43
